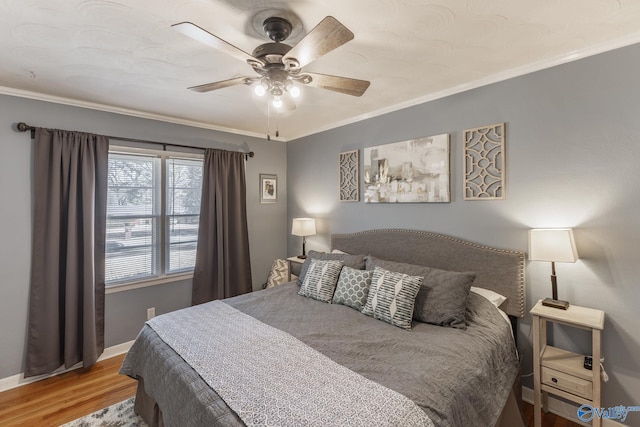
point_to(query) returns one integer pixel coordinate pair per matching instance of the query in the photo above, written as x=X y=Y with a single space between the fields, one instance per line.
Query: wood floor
x=63 y=398
x=548 y=419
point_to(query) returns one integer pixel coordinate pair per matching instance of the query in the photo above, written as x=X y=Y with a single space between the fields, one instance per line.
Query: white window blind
x=153 y=207
x=184 y=187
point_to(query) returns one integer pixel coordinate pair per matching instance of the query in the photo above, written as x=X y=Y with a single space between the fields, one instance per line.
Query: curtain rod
x=23 y=127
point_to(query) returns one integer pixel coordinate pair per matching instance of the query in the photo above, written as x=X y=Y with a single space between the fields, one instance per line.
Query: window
x=153 y=208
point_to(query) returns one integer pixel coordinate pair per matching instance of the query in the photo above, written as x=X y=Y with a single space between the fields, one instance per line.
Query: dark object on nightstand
x=588 y=363
x=550 y=302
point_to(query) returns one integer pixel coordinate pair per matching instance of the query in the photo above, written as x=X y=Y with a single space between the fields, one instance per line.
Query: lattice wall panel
x=350 y=176
x=484 y=163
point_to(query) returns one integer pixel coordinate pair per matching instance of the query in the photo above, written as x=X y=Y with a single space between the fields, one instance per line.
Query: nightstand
x=561 y=372
x=295 y=263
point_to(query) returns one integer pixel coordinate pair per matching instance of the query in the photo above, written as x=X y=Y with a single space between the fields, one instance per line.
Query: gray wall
x=125 y=311
x=573 y=144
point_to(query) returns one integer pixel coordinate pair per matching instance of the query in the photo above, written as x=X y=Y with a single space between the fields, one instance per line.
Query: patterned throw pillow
x=354 y=261
x=353 y=287
x=442 y=299
x=279 y=273
x=320 y=280
x=392 y=296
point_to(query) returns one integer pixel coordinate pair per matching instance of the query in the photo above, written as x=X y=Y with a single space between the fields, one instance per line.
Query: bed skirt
x=146 y=407
x=511 y=415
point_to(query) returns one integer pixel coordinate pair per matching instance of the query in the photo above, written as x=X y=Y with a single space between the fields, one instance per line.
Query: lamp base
x=302 y=256
x=555 y=303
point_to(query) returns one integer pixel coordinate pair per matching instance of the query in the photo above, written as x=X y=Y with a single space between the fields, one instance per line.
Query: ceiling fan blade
x=203 y=36
x=344 y=85
x=325 y=37
x=221 y=84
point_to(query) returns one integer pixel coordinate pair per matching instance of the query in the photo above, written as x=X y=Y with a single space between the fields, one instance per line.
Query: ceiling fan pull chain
x=277 y=126
x=268 y=121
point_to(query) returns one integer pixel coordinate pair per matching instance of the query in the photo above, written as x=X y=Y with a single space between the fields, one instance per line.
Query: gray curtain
x=66 y=304
x=223 y=268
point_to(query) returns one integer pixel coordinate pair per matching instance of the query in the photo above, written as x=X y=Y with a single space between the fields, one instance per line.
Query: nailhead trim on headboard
x=396 y=245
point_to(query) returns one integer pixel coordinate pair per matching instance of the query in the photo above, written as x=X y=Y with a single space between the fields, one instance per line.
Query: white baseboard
x=115 y=350
x=565 y=410
x=19 y=379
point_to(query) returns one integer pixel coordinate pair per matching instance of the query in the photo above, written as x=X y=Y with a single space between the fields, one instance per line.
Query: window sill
x=113 y=289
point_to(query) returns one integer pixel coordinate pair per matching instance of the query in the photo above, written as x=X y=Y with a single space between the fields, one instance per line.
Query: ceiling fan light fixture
x=259 y=90
x=294 y=91
x=277 y=102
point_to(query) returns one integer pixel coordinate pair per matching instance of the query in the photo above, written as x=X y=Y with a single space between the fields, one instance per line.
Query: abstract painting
x=413 y=171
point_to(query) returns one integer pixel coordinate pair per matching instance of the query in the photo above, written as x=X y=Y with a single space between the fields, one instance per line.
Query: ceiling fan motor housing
x=276 y=28
x=271 y=53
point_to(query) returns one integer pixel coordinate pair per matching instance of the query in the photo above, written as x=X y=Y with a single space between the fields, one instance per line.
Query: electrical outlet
x=151 y=313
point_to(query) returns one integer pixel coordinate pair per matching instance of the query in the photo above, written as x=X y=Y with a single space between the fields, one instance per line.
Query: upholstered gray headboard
x=497 y=269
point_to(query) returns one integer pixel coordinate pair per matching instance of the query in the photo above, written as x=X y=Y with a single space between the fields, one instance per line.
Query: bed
x=336 y=365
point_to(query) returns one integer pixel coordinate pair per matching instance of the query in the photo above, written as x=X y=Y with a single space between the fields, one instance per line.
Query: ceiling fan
x=279 y=65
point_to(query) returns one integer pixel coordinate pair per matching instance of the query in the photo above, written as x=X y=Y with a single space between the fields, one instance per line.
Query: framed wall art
x=268 y=188
x=350 y=176
x=484 y=162
x=413 y=171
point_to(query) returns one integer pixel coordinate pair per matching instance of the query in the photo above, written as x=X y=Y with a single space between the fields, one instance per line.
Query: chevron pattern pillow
x=321 y=278
x=279 y=273
x=392 y=296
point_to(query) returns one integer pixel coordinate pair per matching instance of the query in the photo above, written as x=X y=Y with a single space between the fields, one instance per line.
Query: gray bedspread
x=459 y=378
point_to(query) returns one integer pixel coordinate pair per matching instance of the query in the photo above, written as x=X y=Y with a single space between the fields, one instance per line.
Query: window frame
x=162 y=253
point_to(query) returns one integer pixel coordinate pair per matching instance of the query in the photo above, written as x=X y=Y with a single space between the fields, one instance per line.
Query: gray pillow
x=392 y=296
x=442 y=299
x=320 y=281
x=353 y=288
x=353 y=261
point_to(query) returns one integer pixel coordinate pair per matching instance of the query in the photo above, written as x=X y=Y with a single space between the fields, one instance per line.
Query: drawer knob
x=555 y=380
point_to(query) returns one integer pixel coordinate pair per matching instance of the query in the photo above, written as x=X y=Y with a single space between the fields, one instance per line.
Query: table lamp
x=303 y=227
x=554 y=245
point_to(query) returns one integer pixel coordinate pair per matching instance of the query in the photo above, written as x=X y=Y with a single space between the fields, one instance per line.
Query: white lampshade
x=552 y=244
x=303 y=227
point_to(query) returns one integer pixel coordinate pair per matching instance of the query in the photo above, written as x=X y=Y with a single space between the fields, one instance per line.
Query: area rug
x=118 y=415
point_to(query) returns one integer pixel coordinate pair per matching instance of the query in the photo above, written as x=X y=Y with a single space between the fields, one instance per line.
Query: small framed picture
x=268 y=188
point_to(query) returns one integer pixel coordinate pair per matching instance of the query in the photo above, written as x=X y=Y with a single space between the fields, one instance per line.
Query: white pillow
x=338 y=251
x=493 y=297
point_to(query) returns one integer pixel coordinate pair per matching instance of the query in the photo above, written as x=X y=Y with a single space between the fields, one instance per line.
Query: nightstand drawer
x=568 y=383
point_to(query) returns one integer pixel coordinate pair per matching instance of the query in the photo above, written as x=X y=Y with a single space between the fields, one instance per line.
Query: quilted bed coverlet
x=253 y=368
x=457 y=377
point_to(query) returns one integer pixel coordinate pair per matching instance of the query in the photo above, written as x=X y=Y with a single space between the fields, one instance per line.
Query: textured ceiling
x=123 y=56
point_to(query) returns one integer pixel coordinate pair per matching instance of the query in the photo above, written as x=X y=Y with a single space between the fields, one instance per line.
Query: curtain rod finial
x=23 y=127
